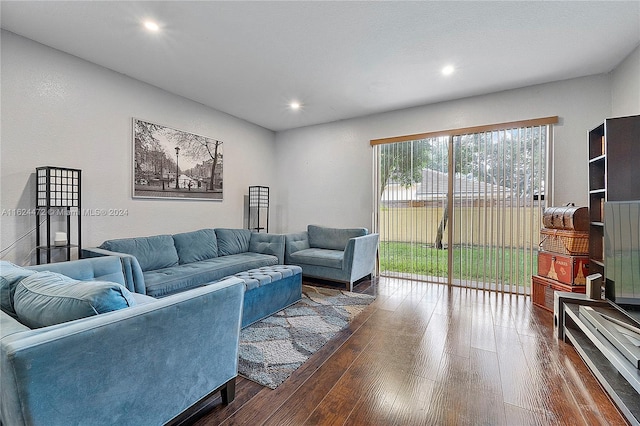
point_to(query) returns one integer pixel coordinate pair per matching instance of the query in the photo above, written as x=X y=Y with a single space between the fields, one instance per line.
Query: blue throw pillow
x=195 y=246
x=232 y=241
x=10 y=276
x=46 y=298
x=156 y=252
x=332 y=238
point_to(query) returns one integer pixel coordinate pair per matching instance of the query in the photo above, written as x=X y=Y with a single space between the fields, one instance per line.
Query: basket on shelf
x=564 y=242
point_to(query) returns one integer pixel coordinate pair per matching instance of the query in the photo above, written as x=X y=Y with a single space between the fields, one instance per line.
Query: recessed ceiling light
x=448 y=70
x=295 y=105
x=151 y=26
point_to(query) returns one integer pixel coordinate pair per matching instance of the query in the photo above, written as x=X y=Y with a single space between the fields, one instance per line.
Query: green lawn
x=470 y=263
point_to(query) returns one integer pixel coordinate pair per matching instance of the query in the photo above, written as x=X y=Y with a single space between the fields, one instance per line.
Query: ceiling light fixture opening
x=151 y=26
x=448 y=70
x=295 y=105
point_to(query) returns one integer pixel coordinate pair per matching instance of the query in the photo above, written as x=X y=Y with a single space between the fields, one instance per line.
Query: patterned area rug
x=273 y=348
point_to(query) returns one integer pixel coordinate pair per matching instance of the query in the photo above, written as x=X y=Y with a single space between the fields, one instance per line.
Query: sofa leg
x=228 y=391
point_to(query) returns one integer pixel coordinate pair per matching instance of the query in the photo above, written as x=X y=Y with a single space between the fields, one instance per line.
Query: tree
x=505 y=159
x=197 y=147
x=147 y=148
x=402 y=162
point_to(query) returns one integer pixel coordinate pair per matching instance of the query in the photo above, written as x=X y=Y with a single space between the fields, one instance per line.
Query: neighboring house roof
x=434 y=186
x=395 y=192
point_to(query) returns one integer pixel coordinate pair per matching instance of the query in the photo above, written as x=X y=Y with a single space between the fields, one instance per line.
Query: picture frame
x=175 y=164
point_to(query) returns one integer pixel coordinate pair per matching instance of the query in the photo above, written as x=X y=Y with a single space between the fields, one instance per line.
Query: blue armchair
x=337 y=254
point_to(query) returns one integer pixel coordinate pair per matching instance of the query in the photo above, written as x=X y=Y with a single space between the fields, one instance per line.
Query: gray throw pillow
x=10 y=276
x=156 y=252
x=195 y=246
x=46 y=298
x=232 y=241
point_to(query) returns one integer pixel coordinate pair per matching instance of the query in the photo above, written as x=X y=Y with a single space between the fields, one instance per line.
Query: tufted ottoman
x=268 y=290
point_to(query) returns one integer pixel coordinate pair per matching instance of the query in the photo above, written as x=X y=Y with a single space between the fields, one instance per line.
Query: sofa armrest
x=295 y=242
x=360 y=255
x=140 y=365
x=272 y=244
x=133 y=278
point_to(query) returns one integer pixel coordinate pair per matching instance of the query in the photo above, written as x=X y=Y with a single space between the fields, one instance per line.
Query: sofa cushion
x=273 y=244
x=164 y=282
x=167 y=281
x=154 y=252
x=332 y=238
x=319 y=257
x=10 y=276
x=107 y=268
x=195 y=246
x=46 y=298
x=232 y=241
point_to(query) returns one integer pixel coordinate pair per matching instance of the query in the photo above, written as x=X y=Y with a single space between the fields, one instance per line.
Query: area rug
x=273 y=348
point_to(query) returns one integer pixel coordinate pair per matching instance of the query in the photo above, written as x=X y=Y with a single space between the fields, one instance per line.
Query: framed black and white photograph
x=171 y=163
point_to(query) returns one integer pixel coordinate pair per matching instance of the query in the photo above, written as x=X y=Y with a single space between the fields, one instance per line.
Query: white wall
x=326 y=173
x=625 y=86
x=62 y=111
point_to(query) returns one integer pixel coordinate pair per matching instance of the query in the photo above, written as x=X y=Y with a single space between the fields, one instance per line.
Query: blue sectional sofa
x=336 y=254
x=160 y=265
x=136 y=360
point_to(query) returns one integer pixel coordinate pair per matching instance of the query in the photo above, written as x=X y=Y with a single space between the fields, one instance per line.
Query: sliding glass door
x=413 y=193
x=463 y=208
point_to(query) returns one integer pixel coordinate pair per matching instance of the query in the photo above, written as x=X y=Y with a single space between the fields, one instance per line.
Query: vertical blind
x=464 y=206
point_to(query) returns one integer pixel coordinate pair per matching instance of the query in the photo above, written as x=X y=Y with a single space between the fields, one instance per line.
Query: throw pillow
x=10 y=276
x=46 y=298
x=195 y=246
x=156 y=252
x=232 y=241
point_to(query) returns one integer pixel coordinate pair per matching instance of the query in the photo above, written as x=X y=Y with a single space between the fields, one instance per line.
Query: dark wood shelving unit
x=597 y=197
x=614 y=175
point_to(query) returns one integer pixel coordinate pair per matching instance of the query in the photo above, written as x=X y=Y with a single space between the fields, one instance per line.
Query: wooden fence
x=489 y=226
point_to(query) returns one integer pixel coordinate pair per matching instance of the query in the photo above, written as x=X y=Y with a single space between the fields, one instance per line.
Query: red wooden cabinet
x=542 y=290
x=570 y=270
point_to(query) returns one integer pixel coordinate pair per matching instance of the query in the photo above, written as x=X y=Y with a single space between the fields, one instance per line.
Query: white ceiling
x=340 y=59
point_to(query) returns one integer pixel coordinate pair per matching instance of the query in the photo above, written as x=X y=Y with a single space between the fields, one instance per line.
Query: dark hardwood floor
x=425 y=354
